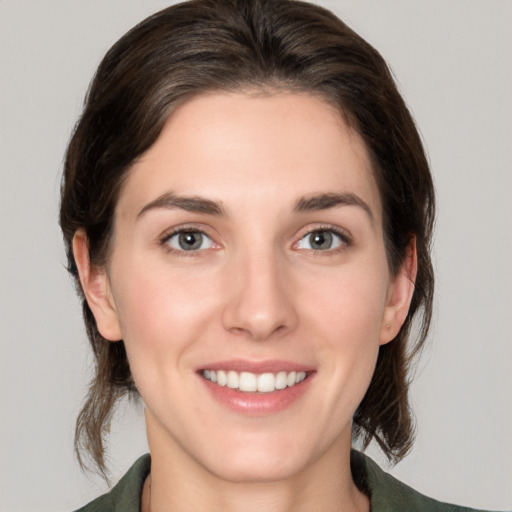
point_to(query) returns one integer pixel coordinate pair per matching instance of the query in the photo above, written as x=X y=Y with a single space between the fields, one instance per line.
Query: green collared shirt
x=386 y=493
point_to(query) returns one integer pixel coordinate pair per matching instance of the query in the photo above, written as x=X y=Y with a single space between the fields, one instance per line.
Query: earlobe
x=400 y=295
x=96 y=288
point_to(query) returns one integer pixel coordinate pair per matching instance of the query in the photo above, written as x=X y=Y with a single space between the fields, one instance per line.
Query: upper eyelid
x=185 y=228
x=172 y=234
x=343 y=233
x=345 y=238
x=163 y=241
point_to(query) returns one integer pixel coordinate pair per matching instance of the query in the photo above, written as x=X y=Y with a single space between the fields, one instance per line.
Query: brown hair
x=206 y=45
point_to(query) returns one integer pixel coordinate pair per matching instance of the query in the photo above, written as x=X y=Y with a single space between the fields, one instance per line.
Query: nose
x=260 y=303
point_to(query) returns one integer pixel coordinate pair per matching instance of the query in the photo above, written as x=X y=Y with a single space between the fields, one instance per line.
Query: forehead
x=236 y=148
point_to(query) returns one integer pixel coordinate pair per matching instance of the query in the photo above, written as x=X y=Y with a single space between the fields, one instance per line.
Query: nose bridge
x=259 y=304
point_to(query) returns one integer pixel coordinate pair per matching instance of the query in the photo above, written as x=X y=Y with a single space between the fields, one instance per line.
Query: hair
x=237 y=45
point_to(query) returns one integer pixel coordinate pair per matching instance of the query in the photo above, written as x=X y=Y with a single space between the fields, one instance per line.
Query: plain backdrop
x=453 y=63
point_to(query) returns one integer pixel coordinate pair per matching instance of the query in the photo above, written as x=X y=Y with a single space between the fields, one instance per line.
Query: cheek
x=161 y=313
x=344 y=316
x=348 y=304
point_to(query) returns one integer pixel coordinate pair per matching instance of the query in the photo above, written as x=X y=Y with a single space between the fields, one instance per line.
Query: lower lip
x=257 y=404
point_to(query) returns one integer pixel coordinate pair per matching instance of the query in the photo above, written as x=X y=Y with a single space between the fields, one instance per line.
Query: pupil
x=321 y=240
x=190 y=241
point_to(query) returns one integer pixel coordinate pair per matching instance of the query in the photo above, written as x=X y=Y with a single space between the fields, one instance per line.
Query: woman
x=247 y=208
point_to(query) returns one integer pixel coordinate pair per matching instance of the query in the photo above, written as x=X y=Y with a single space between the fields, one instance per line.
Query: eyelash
x=345 y=240
x=166 y=237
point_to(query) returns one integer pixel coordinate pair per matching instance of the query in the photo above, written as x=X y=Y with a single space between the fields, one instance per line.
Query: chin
x=259 y=459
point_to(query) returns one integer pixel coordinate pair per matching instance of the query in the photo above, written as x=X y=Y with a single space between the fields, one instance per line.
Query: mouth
x=247 y=382
x=257 y=388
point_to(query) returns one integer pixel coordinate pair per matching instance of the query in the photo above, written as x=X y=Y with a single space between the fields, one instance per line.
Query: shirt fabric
x=386 y=493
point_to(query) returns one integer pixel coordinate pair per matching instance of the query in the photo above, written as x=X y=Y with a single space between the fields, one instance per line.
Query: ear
x=400 y=292
x=96 y=287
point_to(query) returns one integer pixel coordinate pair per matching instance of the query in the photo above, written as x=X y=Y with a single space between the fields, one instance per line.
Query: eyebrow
x=310 y=203
x=328 y=200
x=195 y=204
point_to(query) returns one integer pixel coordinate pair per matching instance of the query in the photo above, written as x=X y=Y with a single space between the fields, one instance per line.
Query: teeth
x=251 y=382
x=266 y=383
x=281 y=380
x=222 y=378
x=248 y=382
x=232 y=380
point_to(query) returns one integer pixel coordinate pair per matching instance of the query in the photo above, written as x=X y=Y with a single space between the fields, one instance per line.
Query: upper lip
x=258 y=367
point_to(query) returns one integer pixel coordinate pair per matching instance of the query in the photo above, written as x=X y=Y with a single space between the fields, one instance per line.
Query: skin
x=255 y=290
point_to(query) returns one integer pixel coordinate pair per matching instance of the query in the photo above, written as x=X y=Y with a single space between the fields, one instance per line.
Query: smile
x=252 y=382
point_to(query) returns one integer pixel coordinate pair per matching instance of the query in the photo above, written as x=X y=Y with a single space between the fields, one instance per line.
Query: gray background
x=453 y=61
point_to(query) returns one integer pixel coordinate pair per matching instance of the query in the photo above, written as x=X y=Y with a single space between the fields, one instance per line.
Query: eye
x=322 y=240
x=189 y=240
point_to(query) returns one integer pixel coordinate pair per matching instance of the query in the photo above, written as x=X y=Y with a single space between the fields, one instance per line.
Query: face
x=249 y=281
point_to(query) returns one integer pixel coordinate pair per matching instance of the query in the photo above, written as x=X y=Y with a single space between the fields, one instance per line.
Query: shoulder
x=125 y=496
x=389 y=494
